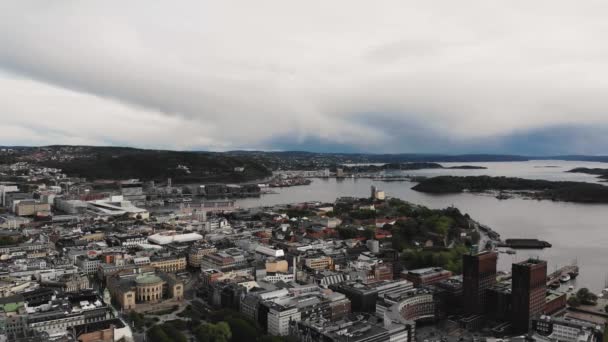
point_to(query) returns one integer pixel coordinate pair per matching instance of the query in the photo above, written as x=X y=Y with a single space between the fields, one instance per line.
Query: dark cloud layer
x=388 y=76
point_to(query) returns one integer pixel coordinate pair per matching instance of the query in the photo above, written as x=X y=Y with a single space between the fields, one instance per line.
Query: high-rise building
x=528 y=292
x=479 y=274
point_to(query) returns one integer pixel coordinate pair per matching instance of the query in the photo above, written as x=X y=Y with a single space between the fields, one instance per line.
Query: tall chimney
x=295 y=268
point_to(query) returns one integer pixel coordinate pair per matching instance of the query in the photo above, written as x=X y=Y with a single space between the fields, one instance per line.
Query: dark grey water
x=577 y=231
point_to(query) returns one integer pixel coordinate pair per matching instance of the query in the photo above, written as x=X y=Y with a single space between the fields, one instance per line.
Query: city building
x=225 y=260
x=427 y=276
x=529 y=288
x=131 y=240
x=318 y=262
x=117 y=206
x=363 y=297
x=131 y=289
x=416 y=305
x=357 y=327
x=88 y=263
x=167 y=237
x=31 y=208
x=168 y=264
x=197 y=252
x=478 y=275
x=565 y=330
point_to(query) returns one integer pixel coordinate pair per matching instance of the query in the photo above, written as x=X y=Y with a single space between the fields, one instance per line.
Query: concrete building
x=117 y=206
x=197 y=252
x=529 y=279
x=133 y=191
x=279 y=318
x=131 y=240
x=225 y=260
x=88 y=264
x=479 y=274
x=169 y=264
x=276 y=277
x=354 y=328
x=364 y=296
x=319 y=262
x=4 y=190
x=31 y=208
x=131 y=289
x=565 y=330
x=427 y=276
x=70 y=207
x=168 y=237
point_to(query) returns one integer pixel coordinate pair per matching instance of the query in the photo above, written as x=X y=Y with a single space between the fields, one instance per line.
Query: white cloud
x=237 y=74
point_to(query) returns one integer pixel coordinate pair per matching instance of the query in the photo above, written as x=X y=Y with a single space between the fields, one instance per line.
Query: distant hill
x=125 y=163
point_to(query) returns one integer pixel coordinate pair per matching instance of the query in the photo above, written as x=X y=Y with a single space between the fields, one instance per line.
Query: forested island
x=408 y=167
x=580 y=192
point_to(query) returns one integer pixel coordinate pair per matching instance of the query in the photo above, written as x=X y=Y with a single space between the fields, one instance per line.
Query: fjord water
x=577 y=231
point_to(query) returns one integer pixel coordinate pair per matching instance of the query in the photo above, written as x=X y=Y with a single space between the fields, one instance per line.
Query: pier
x=553 y=278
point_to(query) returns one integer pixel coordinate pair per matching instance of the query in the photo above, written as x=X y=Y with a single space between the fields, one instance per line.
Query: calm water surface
x=577 y=231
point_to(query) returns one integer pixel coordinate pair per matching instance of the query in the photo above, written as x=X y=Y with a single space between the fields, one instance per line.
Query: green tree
x=157 y=334
x=209 y=332
x=242 y=330
x=573 y=301
x=586 y=297
x=137 y=319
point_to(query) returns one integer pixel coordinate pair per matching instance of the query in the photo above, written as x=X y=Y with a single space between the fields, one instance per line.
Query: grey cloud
x=240 y=75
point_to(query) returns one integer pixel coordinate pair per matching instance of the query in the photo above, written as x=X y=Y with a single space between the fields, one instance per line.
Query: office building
x=479 y=274
x=529 y=279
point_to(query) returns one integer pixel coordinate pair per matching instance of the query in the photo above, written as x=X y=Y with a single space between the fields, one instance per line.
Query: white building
x=87 y=265
x=117 y=206
x=4 y=189
x=276 y=253
x=168 y=237
x=276 y=277
x=279 y=318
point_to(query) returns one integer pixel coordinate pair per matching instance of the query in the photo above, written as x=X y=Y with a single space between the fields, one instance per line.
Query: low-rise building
x=426 y=276
x=31 y=208
x=318 y=262
x=88 y=264
x=169 y=264
x=197 y=252
x=565 y=330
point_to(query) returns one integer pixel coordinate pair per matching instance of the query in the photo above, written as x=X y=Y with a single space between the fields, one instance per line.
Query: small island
x=579 y=192
x=602 y=173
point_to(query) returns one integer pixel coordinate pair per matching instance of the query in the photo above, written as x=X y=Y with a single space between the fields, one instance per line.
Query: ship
x=525 y=243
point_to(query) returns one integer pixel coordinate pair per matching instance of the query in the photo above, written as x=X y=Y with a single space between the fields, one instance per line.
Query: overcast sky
x=528 y=77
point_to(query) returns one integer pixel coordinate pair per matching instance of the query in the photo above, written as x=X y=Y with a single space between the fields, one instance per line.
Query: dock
x=553 y=278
